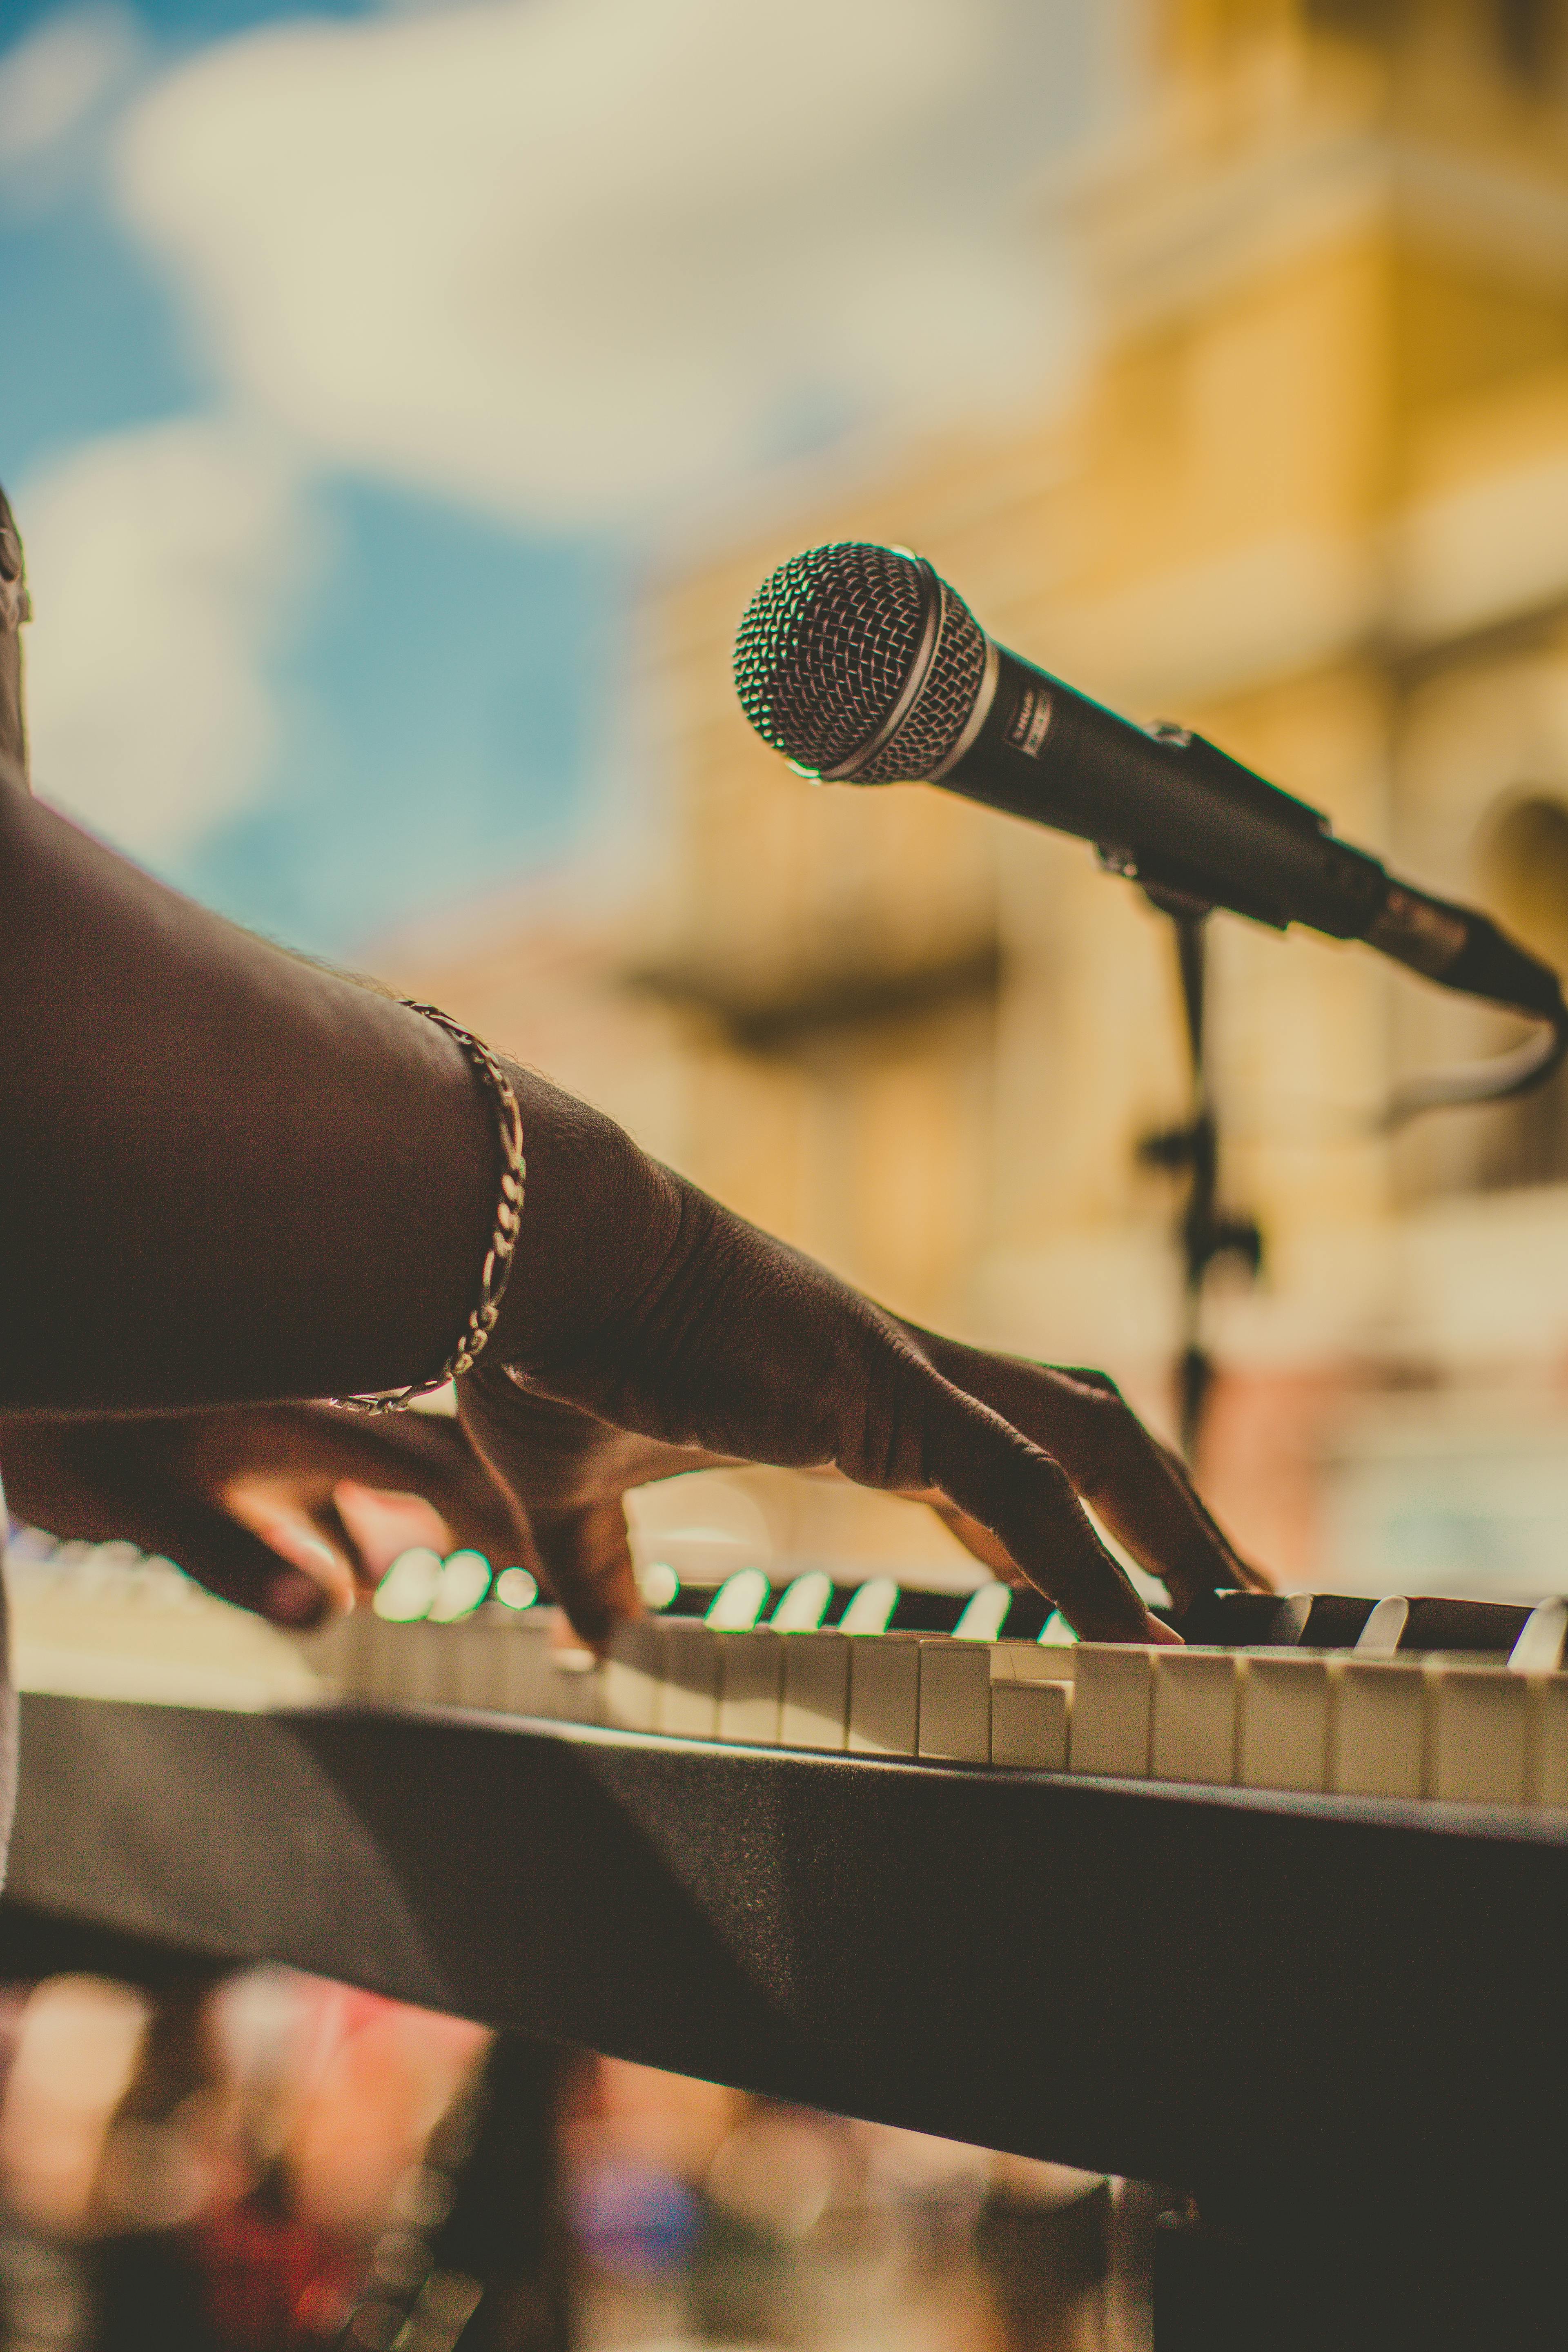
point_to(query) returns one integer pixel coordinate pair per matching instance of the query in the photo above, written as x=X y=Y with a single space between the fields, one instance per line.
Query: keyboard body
x=1210 y=1986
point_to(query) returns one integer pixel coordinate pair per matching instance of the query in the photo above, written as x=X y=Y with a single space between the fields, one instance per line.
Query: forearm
x=226 y=1173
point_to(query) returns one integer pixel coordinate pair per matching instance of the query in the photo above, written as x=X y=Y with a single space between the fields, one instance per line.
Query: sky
x=360 y=360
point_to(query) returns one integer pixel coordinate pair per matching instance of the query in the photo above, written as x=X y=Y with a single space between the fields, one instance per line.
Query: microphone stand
x=1204 y=1233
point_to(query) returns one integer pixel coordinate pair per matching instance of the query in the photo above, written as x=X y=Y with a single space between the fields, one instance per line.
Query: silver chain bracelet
x=504 y=1239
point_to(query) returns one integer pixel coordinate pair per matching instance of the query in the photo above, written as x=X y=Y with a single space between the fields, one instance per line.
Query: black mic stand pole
x=1204 y=1233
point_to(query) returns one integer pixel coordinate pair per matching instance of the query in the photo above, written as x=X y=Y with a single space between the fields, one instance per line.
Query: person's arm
x=226 y=1173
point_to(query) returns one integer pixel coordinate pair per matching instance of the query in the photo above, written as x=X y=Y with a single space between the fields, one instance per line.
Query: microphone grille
x=826 y=646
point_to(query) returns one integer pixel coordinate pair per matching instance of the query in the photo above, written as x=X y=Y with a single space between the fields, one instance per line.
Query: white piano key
x=1193 y=1722
x=814 y=1706
x=1380 y=1731
x=474 y=1640
x=1113 y=1690
x=802 y=1603
x=985 y=1613
x=354 y=1657
x=750 y=1685
x=869 y=1607
x=1384 y=1628
x=884 y=1694
x=1029 y=1724
x=739 y=1601
x=688 y=1680
x=1539 y=1649
x=631 y=1676
x=329 y=1650
x=1287 y=1720
x=464 y=1580
x=423 y=1656
x=1056 y=1634
x=1478 y=1733
x=520 y=1667
x=576 y=1684
x=955 y=1701
x=1032 y=1662
x=1549 y=1774
x=376 y=1664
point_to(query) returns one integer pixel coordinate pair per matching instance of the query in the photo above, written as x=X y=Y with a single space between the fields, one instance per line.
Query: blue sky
x=431 y=744
x=359 y=359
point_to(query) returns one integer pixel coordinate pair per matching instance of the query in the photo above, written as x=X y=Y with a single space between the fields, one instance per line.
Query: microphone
x=862 y=666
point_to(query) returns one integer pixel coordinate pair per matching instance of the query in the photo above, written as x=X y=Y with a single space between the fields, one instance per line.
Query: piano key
x=870 y=1607
x=631 y=1676
x=922 y=1609
x=1056 y=1634
x=575 y=1687
x=1247 y=1619
x=1112 y=1689
x=1478 y=1734
x=464 y=1580
x=1286 y=1721
x=750 y=1680
x=474 y=1640
x=520 y=1669
x=1384 y=1628
x=1029 y=1724
x=1539 y=1649
x=1437 y=1622
x=1193 y=1718
x=813 y=1710
x=1379 y=1732
x=803 y=1604
x=985 y=1613
x=407 y=1589
x=955 y=1700
x=1549 y=1771
x=1336 y=1620
x=884 y=1694
x=739 y=1601
x=689 y=1681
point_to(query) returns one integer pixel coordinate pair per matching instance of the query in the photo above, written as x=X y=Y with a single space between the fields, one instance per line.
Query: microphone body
x=1171 y=810
x=1164 y=806
x=863 y=666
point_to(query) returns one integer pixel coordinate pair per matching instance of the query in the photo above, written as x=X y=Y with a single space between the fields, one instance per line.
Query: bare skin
x=234 y=1180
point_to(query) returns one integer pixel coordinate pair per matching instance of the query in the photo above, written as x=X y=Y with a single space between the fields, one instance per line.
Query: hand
x=738 y=1349
x=288 y=1509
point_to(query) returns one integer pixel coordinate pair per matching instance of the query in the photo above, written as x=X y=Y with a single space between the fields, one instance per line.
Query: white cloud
x=583 y=258
x=159 y=560
x=56 y=78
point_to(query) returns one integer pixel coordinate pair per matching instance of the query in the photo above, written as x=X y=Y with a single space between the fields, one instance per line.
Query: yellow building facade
x=1309 y=495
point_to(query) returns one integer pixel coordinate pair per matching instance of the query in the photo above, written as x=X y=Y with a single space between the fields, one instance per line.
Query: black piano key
x=1336 y=1621
x=919 y=1610
x=1243 y=1621
x=1482 y=1625
x=1027 y=1615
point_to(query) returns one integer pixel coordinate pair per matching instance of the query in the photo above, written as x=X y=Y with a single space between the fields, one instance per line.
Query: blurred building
x=1309 y=495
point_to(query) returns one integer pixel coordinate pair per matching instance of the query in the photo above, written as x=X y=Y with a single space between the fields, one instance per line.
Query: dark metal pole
x=1204 y=1233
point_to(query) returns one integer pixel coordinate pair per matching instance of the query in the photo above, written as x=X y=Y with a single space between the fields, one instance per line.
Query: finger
x=289 y=1584
x=996 y=1474
x=587 y=1564
x=312 y=1541
x=1139 y=1489
x=382 y=1527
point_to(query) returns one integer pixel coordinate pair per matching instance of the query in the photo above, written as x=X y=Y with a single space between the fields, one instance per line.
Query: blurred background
x=400 y=403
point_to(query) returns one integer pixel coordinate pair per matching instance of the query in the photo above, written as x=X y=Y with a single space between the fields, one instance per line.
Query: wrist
x=600 y=1220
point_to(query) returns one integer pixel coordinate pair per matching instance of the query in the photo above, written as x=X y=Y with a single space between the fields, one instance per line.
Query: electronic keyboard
x=1273 y=1933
